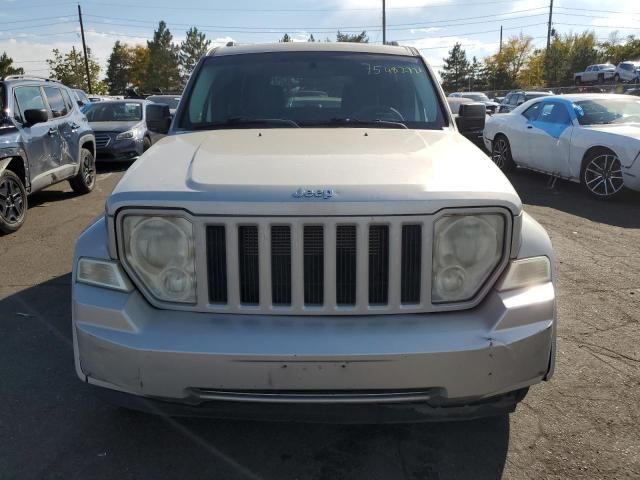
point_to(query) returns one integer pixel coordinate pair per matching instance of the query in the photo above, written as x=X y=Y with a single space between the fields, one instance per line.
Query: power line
x=35 y=19
x=443 y=23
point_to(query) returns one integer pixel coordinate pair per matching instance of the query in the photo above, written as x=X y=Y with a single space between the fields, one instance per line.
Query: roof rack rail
x=29 y=77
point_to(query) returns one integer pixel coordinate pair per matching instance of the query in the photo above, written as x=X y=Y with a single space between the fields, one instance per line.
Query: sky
x=30 y=29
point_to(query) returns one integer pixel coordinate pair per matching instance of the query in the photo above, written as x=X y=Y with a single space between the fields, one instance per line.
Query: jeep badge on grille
x=305 y=193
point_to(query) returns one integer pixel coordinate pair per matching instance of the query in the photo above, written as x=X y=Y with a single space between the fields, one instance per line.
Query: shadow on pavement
x=54 y=428
x=569 y=197
x=105 y=166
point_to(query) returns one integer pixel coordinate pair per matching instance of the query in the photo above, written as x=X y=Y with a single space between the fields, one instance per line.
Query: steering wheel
x=380 y=112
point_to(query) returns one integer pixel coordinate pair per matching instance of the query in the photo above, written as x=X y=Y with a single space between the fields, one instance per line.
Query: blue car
x=44 y=139
x=125 y=129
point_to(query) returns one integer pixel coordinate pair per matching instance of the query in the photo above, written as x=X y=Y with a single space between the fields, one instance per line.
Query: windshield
x=114 y=112
x=477 y=97
x=310 y=89
x=531 y=96
x=606 y=111
x=172 y=102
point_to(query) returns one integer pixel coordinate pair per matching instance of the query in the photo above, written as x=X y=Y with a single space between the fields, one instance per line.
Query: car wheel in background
x=146 y=144
x=501 y=154
x=85 y=179
x=578 y=80
x=13 y=202
x=601 y=79
x=601 y=174
x=616 y=78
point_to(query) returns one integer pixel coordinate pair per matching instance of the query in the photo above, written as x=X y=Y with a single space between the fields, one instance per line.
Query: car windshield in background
x=114 y=112
x=531 y=96
x=316 y=89
x=477 y=97
x=606 y=111
x=172 y=102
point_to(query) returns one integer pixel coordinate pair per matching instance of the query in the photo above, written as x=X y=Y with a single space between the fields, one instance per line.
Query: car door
x=62 y=121
x=549 y=138
x=42 y=140
x=520 y=128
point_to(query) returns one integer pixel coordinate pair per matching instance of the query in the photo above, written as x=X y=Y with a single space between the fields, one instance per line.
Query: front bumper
x=437 y=360
x=121 y=150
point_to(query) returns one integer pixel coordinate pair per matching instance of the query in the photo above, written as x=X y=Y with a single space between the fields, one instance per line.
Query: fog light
x=102 y=273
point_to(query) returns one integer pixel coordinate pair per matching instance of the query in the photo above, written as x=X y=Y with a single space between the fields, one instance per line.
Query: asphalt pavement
x=583 y=424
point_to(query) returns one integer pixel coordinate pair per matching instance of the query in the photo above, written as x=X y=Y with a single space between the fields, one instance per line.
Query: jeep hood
x=371 y=172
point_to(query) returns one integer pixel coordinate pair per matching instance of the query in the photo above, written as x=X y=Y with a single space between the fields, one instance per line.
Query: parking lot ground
x=583 y=424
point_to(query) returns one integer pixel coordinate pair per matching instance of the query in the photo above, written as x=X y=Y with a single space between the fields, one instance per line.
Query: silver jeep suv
x=315 y=240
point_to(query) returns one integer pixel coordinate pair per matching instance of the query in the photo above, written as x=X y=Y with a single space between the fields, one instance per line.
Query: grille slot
x=248 y=264
x=378 y=264
x=411 y=264
x=346 y=265
x=102 y=140
x=217 y=263
x=313 y=265
x=281 y=265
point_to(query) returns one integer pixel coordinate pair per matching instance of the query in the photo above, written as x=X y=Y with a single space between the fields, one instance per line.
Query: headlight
x=466 y=249
x=160 y=251
x=133 y=133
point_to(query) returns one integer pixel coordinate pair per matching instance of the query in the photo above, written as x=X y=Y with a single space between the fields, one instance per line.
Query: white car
x=595 y=73
x=628 y=72
x=593 y=139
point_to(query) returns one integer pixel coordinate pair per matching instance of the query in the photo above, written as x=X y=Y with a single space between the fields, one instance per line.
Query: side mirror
x=33 y=116
x=471 y=117
x=158 y=118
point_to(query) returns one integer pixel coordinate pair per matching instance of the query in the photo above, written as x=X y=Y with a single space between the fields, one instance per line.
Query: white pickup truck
x=595 y=74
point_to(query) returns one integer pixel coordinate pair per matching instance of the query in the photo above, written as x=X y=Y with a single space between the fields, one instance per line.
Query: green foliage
x=69 y=68
x=361 y=37
x=195 y=46
x=615 y=52
x=163 y=68
x=286 y=39
x=569 y=54
x=7 y=68
x=311 y=39
x=455 y=70
x=119 y=69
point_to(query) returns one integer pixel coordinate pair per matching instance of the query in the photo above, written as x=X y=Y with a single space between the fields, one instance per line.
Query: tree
x=532 y=74
x=286 y=39
x=616 y=52
x=569 y=54
x=119 y=69
x=192 y=49
x=311 y=39
x=163 y=68
x=139 y=55
x=7 y=68
x=69 y=68
x=353 y=38
x=504 y=67
x=455 y=69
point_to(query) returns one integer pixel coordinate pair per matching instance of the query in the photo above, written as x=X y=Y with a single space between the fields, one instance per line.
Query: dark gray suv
x=44 y=139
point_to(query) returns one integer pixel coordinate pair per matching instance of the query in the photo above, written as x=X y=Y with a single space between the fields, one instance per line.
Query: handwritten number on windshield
x=392 y=69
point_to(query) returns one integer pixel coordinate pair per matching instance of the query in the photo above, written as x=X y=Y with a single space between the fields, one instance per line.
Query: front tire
x=601 y=175
x=601 y=79
x=13 y=202
x=146 y=144
x=85 y=179
x=616 y=78
x=501 y=154
x=578 y=81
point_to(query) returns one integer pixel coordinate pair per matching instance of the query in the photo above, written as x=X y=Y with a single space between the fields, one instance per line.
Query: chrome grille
x=102 y=140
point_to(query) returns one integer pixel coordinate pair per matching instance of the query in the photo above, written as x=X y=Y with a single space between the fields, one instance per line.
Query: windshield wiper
x=364 y=123
x=240 y=122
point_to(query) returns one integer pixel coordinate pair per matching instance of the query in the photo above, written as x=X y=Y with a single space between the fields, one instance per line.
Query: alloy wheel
x=11 y=201
x=603 y=175
x=88 y=170
x=499 y=154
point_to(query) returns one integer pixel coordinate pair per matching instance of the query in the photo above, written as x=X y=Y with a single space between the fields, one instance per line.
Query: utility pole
x=384 y=23
x=549 y=26
x=84 y=48
x=500 y=38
